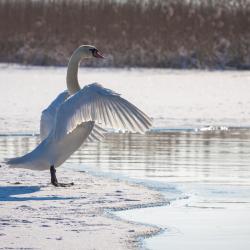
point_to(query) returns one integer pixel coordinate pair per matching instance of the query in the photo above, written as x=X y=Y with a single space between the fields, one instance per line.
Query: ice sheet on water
x=211 y=128
x=174 y=99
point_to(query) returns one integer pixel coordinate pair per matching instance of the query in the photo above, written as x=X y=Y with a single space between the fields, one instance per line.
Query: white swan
x=76 y=115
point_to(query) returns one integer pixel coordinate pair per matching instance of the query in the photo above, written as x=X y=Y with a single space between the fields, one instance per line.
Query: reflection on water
x=172 y=156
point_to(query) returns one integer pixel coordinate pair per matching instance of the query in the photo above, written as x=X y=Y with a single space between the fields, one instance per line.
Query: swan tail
x=23 y=162
x=14 y=162
x=34 y=160
x=17 y=162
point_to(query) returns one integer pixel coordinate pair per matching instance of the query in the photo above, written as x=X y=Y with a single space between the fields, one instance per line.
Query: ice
x=173 y=98
x=211 y=128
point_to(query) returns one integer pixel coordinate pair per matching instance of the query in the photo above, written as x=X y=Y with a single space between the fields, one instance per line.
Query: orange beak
x=97 y=54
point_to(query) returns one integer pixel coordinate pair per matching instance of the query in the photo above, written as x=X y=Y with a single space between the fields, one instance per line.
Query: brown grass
x=174 y=33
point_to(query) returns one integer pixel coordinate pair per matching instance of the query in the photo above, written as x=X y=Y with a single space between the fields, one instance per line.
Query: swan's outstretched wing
x=97 y=133
x=105 y=107
x=48 y=117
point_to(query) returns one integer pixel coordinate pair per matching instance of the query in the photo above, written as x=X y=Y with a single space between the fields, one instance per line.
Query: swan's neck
x=72 y=79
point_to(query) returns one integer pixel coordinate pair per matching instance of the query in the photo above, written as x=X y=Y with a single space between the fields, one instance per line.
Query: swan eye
x=94 y=51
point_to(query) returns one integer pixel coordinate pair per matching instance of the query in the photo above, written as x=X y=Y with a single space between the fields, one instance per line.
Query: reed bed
x=170 y=33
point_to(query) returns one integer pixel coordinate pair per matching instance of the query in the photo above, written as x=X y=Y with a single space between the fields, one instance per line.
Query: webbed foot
x=54 y=179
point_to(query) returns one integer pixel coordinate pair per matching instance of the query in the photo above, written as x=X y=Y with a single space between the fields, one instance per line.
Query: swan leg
x=54 y=179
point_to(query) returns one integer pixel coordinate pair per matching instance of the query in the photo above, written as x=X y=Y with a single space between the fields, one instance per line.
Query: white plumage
x=105 y=107
x=77 y=115
x=48 y=117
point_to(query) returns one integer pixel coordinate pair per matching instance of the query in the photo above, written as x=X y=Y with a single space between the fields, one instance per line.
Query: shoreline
x=71 y=217
x=138 y=239
x=223 y=215
x=20 y=65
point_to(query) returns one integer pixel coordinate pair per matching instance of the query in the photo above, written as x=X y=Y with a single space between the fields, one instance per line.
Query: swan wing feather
x=97 y=133
x=48 y=117
x=104 y=106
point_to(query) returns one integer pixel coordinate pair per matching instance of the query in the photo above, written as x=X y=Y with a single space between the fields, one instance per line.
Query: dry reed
x=175 y=34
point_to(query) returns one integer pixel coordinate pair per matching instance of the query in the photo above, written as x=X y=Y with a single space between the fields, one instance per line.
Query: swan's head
x=89 y=51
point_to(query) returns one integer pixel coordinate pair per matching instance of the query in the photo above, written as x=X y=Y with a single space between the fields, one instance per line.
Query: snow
x=37 y=215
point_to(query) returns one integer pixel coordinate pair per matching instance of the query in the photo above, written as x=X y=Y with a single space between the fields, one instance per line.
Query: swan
x=77 y=115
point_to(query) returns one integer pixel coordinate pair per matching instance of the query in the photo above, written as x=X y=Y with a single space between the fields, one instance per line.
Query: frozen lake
x=175 y=99
x=203 y=171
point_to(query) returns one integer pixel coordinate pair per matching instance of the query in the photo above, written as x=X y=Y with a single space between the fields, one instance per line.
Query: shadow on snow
x=7 y=193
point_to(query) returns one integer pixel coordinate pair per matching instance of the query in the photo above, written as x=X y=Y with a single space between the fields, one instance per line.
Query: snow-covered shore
x=36 y=215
